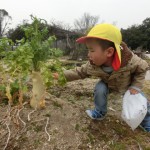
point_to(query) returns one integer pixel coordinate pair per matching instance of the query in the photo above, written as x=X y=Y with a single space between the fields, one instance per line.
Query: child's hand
x=133 y=91
x=56 y=76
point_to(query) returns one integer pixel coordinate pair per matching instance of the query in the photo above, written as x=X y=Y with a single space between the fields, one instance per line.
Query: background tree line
x=135 y=36
x=138 y=35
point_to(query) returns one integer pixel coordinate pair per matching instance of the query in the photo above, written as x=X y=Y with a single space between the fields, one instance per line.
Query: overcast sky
x=123 y=12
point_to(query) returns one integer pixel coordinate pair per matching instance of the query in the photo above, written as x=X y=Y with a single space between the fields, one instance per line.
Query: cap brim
x=82 y=39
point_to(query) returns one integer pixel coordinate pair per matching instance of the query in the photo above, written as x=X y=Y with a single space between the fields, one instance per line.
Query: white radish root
x=38 y=91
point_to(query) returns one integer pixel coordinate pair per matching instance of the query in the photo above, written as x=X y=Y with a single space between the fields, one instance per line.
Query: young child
x=109 y=59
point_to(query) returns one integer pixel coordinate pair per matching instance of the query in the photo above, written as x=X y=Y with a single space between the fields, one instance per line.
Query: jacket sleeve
x=77 y=73
x=138 y=73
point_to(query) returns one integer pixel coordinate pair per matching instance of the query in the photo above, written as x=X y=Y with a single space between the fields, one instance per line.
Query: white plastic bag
x=134 y=109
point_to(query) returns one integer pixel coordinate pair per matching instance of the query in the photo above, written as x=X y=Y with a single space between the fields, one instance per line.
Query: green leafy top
x=40 y=47
x=31 y=52
x=32 y=49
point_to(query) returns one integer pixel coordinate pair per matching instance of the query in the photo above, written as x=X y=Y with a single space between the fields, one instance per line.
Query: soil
x=68 y=125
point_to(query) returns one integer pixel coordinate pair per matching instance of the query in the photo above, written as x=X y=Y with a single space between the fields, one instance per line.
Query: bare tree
x=4 y=21
x=60 y=25
x=85 y=23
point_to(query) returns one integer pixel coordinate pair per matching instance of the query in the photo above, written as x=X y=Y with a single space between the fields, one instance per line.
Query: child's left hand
x=133 y=91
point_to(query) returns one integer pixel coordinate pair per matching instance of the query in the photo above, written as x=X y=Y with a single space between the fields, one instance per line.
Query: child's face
x=96 y=54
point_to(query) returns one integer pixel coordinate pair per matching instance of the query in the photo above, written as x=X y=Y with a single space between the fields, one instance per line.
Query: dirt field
x=68 y=125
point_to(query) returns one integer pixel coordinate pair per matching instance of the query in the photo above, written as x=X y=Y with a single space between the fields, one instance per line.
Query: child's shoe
x=93 y=114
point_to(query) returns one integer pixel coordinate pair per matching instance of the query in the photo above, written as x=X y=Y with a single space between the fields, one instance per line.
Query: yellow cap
x=110 y=33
